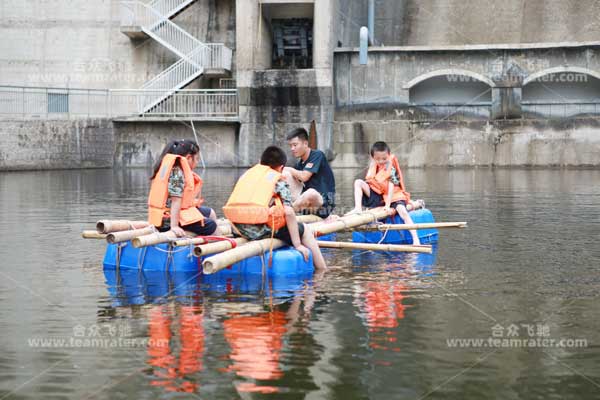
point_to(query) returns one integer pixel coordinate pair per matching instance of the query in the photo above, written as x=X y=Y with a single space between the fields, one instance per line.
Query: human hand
x=178 y=231
x=305 y=252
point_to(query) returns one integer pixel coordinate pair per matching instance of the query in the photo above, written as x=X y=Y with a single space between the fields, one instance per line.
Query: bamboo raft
x=136 y=245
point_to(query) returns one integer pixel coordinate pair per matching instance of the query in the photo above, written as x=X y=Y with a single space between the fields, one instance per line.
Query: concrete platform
x=233 y=119
x=134 y=32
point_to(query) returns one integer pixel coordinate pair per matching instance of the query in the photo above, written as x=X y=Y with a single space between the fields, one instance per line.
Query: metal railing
x=52 y=103
x=220 y=56
x=227 y=83
x=451 y=111
x=139 y=13
x=199 y=103
x=161 y=29
x=168 y=8
x=195 y=56
x=564 y=109
x=60 y=103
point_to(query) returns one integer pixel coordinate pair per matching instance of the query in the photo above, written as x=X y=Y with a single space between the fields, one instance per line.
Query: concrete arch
x=560 y=70
x=450 y=71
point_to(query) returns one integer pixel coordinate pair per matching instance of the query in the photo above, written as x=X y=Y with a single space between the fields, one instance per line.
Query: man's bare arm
x=302 y=176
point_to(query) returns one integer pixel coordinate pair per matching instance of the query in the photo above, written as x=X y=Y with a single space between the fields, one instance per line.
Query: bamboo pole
x=257 y=247
x=254 y=248
x=93 y=235
x=217 y=247
x=308 y=218
x=190 y=241
x=375 y=246
x=350 y=221
x=406 y=227
x=154 y=238
x=123 y=236
x=108 y=226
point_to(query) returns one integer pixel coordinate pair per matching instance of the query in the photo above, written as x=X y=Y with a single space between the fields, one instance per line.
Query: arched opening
x=562 y=92
x=449 y=94
x=450 y=89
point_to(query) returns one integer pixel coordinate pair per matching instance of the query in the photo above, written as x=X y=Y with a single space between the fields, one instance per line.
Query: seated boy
x=261 y=207
x=384 y=185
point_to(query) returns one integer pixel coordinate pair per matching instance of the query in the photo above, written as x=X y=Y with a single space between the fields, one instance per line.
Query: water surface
x=374 y=326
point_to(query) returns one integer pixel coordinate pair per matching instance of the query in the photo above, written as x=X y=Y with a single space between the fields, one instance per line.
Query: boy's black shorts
x=284 y=233
x=376 y=200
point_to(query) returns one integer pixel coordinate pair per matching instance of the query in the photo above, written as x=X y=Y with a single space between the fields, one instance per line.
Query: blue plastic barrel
x=401 y=237
x=163 y=266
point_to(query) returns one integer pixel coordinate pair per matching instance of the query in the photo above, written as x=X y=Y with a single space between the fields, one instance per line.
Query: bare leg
x=311 y=199
x=295 y=185
x=308 y=239
x=408 y=220
x=292 y=226
x=360 y=188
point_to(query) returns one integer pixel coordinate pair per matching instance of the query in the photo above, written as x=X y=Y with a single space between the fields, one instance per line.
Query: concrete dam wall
x=102 y=143
x=458 y=22
x=443 y=143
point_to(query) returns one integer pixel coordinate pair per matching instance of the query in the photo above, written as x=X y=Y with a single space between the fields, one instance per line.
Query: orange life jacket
x=159 y=193
x=197 y=189
x=250 y=202
x=378 y=180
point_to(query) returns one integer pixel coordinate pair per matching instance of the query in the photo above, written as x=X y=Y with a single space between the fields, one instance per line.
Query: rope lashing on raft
x=387 y=229
x=142 y=258
x=264 y=272
x=119 y=247
x=231 y=241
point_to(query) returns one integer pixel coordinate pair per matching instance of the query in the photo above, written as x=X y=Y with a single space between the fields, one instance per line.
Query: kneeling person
x=261 y=207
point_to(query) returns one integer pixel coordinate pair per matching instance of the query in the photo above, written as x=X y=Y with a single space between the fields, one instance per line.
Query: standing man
x=311 y=180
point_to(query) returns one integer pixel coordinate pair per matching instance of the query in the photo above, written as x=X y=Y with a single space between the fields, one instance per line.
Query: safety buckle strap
x=220 y=239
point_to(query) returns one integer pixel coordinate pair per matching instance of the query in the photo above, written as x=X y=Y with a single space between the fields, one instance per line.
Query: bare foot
x=354 y=211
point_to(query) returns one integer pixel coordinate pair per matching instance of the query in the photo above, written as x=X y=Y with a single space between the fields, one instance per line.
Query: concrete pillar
x=253 y=37
x=506 y=103
x=506 y=96
x=323 y=34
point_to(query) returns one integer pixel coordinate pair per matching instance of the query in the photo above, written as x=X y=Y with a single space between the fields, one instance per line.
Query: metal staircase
x=195 y=57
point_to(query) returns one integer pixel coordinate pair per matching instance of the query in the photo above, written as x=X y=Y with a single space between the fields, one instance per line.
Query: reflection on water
x=256 y=342
x=374 y=326
x=174 y=372
x=255 y=327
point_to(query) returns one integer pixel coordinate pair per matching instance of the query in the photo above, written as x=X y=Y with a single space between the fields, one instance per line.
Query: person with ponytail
x=175 y=198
